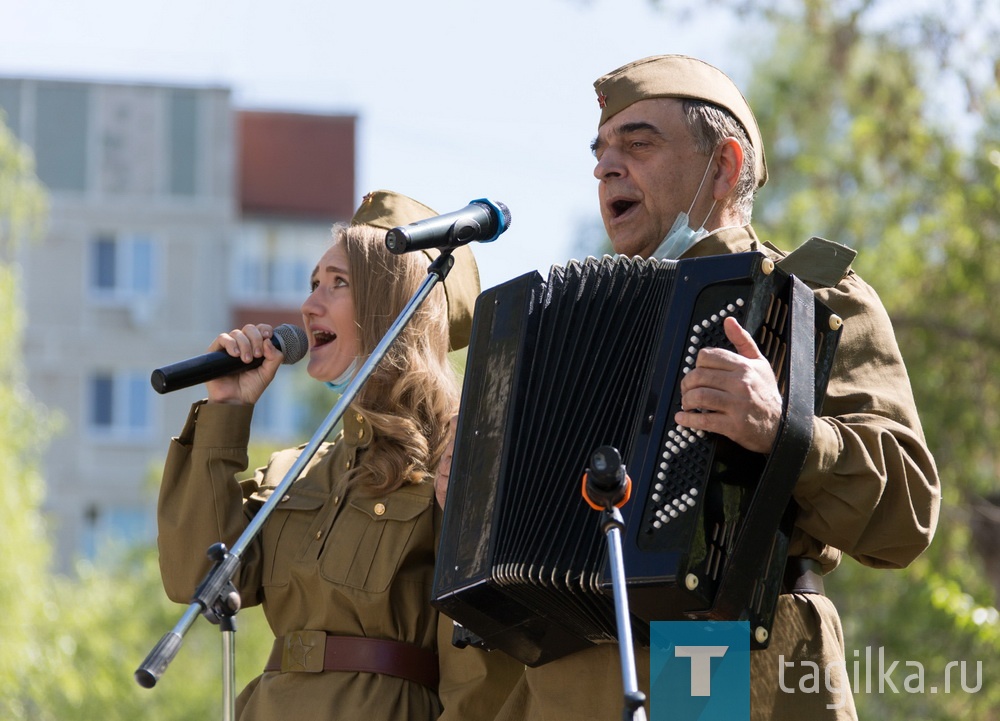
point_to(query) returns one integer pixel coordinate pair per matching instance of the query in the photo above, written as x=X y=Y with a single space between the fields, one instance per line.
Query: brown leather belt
x=300 y=652
x=802 y=575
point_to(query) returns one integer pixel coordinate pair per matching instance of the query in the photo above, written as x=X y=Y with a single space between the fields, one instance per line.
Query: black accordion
x=593 y=356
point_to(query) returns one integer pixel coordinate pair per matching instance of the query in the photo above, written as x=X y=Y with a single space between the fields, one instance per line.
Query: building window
x=123 y=268
x=10 y=104
x=183 y=156
x=275 y=265
x=60 y=141
x=120 y=405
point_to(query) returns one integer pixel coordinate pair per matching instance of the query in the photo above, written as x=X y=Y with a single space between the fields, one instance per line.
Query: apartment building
x=173 y=216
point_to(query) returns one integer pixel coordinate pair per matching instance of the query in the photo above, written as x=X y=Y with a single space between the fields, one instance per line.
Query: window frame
x=133 y=278
x=130 y=406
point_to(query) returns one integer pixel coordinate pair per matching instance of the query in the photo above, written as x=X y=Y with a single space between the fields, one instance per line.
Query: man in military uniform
x=679 y=160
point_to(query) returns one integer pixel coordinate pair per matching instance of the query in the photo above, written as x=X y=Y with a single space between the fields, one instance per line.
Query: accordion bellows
x=592 y=356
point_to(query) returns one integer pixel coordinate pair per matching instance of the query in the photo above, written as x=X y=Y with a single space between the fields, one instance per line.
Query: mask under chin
x=680 y=238
x=340 y=383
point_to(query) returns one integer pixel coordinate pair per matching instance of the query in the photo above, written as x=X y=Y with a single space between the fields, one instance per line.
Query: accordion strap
x=764 y=515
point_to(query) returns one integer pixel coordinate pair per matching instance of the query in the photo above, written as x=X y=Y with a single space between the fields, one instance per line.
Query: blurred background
x=168 y=171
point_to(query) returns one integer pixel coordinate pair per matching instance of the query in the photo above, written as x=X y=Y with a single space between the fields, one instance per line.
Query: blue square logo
x=699 y=671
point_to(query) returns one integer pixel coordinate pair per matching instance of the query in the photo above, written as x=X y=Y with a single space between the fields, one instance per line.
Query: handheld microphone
x=481 y=220
x=289 y=339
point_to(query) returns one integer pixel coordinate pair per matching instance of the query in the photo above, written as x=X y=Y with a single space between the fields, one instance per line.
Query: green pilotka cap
x=678 y=76
x=387 y=209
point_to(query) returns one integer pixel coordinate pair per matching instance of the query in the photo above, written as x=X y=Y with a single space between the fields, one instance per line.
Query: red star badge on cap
x=602 y=99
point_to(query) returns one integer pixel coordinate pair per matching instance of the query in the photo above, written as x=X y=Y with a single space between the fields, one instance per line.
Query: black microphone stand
x=216 y=597
x=607 y=487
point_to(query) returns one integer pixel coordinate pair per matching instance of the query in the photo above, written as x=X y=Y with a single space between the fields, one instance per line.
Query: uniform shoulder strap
x=819 y=262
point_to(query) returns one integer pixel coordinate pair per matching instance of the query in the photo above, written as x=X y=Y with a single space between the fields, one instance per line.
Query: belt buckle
x=304 y=651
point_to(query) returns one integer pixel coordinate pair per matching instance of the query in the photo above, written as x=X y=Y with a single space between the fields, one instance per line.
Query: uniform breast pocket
x=371 y=537
x=287 y=533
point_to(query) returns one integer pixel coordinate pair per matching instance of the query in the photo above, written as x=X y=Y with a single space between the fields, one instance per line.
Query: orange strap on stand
x=596 y=507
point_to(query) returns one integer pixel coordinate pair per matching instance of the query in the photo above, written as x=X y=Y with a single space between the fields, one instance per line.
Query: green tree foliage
x=101 y=624
x=23 y=203
x=23 y=428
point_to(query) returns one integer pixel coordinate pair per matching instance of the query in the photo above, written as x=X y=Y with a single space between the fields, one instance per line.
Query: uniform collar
x=727 y=240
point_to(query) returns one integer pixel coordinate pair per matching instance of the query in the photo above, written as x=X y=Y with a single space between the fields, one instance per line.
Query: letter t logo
x=701 y=665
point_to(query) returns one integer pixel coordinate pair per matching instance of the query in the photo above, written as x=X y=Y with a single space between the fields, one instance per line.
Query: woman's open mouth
x=322 y=338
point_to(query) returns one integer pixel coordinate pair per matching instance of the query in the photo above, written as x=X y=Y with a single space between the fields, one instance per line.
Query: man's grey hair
x=710 y=125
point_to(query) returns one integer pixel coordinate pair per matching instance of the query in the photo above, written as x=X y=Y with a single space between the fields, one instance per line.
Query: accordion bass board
x=594 y=356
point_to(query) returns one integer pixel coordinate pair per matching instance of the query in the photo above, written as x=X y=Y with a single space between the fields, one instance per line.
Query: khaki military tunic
x=349 y=565
x=869 y=489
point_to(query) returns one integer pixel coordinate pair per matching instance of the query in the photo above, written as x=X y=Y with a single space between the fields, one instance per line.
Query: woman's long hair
x=410 y=397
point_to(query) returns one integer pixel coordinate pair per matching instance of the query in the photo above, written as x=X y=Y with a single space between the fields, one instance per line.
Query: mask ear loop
x=698 y=192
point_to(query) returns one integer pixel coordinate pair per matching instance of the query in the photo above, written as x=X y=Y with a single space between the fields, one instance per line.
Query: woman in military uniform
x=344 y=565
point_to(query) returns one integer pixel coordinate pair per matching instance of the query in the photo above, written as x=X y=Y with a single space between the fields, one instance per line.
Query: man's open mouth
x=620 y=207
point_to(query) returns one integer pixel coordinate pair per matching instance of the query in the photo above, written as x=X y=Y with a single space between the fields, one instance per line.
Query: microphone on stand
x=289 y=339
x=481 y=220
x=606 y=483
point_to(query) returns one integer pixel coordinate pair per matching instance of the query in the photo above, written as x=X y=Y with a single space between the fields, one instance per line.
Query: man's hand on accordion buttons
x=733 y=394
x=444 y=465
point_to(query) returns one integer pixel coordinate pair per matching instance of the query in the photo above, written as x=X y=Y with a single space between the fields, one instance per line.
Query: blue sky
x=456 y=100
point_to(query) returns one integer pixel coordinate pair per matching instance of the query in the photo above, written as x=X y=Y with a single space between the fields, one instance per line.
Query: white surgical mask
x=340 y=383
x=682 y=236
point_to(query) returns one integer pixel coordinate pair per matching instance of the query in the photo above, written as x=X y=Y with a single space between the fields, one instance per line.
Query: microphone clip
x=501 y=218
x=606 y=484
